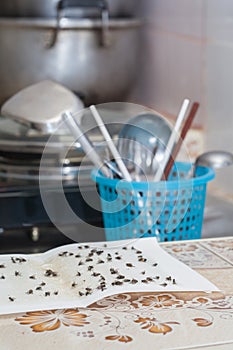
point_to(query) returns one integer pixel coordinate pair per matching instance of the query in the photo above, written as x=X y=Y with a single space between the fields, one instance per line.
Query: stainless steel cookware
x=216 y=159
x=40 y=106
x=142 y=142
x=49 y=8
x=77 y=59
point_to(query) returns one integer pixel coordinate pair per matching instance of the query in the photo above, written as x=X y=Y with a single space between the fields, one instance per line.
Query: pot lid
x=40 y=106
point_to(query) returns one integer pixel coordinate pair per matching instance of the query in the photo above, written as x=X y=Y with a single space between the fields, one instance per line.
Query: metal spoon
x=213 y=159
x=142 y=142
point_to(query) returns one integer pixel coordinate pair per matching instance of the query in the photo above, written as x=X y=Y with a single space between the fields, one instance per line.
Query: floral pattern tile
x=42 y=321
x=195 y=255
x=129 y=317
x=222 y=247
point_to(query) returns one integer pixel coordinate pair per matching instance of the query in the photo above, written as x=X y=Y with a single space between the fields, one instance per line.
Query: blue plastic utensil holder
x=170 y=210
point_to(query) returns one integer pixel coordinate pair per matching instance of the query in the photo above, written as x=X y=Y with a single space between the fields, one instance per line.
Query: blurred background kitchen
x=148 y=52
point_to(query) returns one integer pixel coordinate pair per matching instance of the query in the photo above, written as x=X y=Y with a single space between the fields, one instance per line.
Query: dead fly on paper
x=163 y=284
x=65 y=254
x=96 y=274
x=117 y=283
x=109 y=257
x=32 y=277
x=99 y=252
x=39 y=287
x=11 y=299
x=100 y=261
x=157 y=277
x=50 y=273
x=129 y=265
x=102 y=286
x=134 y=281
x=149 y=279
x=144 y=281
x=88 y=289
x=120 y=277
x=118 y=257
x=17 y=273
x=30 y=291
x=15 y=260
x=102 y=278
x=2 y=266
x=62 y=254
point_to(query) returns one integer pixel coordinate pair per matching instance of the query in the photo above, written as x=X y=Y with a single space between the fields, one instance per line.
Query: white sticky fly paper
x=77 y=275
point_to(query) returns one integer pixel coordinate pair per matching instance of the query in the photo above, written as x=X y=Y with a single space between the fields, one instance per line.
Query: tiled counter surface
x=141 y=320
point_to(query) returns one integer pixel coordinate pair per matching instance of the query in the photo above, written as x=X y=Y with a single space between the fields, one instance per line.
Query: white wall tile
x=173 y=60
x=173 y=70
x=219 y=87
x=219 y=106
x=219 y=20
x=177 y=16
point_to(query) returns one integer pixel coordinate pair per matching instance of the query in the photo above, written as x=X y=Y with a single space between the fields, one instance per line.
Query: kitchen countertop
x=218 y=217
x=161 y=320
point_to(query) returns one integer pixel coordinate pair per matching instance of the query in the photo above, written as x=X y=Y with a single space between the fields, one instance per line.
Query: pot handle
x=101 y=5
x=63 y=4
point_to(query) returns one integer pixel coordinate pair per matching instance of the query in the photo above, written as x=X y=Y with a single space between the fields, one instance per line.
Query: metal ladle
x=214 y=160
x=142 y=142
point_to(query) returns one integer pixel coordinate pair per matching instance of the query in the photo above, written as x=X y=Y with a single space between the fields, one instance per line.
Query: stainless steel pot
x=77 y=57
x=48 y=8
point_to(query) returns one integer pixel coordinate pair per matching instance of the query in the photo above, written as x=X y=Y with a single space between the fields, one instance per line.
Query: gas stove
x=21 y=172
x=64 y=173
